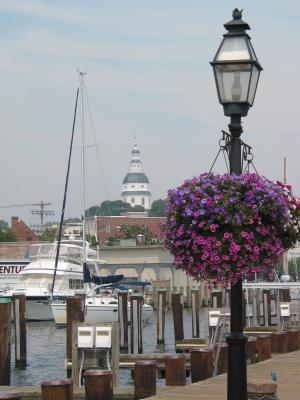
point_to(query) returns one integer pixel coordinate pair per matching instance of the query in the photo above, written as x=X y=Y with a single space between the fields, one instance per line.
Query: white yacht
x=36 y=279
x=101 y=305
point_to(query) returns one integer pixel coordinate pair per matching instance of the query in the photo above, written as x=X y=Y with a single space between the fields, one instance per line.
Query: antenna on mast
x=284 y=170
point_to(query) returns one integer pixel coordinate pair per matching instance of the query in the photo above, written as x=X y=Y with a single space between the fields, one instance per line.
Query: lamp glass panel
x=253 y=56
x=233 y=82
x=233 y=48
x=253 y=84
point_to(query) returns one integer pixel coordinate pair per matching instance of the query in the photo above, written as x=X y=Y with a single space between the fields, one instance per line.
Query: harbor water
x=46 y=346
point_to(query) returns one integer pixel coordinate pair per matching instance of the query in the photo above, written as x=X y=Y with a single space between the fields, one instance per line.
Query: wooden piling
x=251 y=349
x=195 y=313
x=177 y=308
x=279 y=342
x=244 y=308
x=144 y=379
x=19 y=307
x=175 y=370
x=223 y=359
x=57 y=390
x=267 y=307
x=188 y=296
x=75 y=313
x=161 y=315
x=293 y=340
x=263 y=347
x=123 y=318
x=5 y=329
x=285 y=295
x=227 y=298
x=201 y=363
x=136 y=323
x=98 y=385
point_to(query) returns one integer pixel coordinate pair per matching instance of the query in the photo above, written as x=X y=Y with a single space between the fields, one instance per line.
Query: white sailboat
x=100 y=305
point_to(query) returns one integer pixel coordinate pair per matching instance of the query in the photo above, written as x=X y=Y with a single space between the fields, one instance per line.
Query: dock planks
x=287 y=367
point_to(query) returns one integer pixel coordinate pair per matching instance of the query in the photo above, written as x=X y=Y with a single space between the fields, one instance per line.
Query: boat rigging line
x=65 y=196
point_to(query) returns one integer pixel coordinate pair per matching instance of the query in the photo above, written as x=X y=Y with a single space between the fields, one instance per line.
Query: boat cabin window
x=76 y=284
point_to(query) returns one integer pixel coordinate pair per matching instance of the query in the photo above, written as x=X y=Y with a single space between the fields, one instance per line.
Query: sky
x=148 y=74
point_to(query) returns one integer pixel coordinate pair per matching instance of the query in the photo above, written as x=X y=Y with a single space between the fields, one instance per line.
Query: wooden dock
x=286 y=366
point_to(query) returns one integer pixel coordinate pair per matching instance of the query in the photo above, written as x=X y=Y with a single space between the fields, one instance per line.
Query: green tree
x=158 y=208
x=4 y=225
x=138 y=208
x=48 y=235
x=109 y=208
x=7 y=235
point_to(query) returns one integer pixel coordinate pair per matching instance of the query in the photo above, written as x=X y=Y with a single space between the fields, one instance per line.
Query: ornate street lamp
x=236 y=71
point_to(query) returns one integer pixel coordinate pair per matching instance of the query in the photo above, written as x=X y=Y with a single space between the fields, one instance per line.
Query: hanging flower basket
x=223 y=228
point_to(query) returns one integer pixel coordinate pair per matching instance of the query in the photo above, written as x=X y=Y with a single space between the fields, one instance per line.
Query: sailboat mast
x=81 y=74
x=64 y=198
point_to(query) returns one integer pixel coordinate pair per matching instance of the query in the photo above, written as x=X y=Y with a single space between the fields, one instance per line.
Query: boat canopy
x=89 y=277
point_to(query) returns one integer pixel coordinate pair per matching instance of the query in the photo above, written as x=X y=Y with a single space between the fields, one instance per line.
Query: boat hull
x=96 y=313
x=38 y=310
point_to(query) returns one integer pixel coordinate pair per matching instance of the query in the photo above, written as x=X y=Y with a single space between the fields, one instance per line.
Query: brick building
x=22 y=231
x=103 y=227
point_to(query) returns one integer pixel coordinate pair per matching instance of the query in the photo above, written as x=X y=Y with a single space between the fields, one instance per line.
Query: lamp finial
x=237 y=14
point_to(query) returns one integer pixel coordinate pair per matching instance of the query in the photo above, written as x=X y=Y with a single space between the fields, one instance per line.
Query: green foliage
x=3 y=225
x=132 y=231
x=138 y=208
x=7 y=235
x=72 y=219
x=109 y=208
x=91 y=239
x=110 y=241
x=158 y=208
x=48 y=235
x=118 y=207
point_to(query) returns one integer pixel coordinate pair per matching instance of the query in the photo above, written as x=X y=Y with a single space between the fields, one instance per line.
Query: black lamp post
x=236 y=71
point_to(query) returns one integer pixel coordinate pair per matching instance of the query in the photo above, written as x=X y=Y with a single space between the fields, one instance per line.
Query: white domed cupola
x=136 y=190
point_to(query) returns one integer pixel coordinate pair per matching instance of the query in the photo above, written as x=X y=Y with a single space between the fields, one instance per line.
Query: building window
x=132 y=200
x=132 y=186
x=142 y=186
x=143 y=201
x=107 y=229
x=76 y=284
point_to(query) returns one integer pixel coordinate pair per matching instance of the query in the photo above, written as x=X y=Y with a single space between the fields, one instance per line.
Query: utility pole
x=42 y=213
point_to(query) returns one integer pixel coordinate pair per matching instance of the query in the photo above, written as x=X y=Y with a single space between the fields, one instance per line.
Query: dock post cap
x=203 y=349
x=137 y=295
x=175 y=356
x=5 y=300
x=58 y=382
x=97 y=372
x=145 y=362
x=261 y=386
